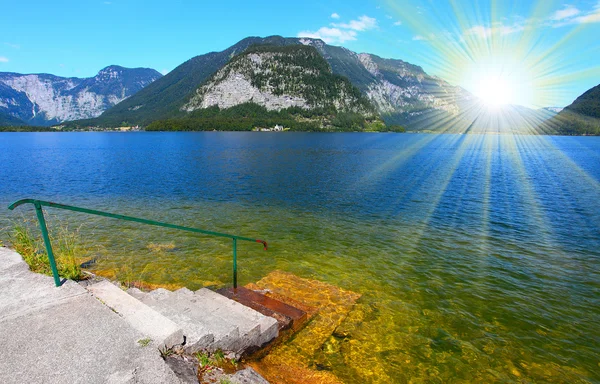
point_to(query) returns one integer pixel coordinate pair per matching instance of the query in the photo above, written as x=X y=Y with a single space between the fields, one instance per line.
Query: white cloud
x=335 y=16
x=330 y=35
x=341 y=32
x=164 y=71
x=571 y=15
x=480 y=31
x=362 y=24
x=14 y=46
x=3 y=59
x=484 y=32
x=397 y=23
x=565 y=13
x=508 y=30
x=593 y=17
x=419 y=38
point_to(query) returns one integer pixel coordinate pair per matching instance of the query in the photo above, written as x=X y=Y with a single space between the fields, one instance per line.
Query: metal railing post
x=40 y=214
x=46 y=237
x=234 y=263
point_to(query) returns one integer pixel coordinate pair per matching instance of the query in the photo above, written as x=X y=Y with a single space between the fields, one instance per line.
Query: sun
x=500 y=81
x=495 y=91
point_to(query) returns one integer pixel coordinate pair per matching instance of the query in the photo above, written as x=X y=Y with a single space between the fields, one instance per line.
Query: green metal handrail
x=38 y=204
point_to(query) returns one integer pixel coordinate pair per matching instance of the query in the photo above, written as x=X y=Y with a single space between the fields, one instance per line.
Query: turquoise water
x=478 y=257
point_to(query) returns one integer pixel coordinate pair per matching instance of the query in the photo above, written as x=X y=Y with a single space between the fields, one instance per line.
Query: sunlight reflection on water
x=476 y=256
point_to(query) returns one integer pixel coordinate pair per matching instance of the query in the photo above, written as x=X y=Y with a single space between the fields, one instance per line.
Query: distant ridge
x=402 y=93
x=582 y=117
x=266 y=86
x=44 y=99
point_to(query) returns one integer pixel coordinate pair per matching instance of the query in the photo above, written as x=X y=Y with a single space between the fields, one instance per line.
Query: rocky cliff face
x=402 y=92
x=233 y=85
x=404 y=88
x=42 y=99
x=279 y=77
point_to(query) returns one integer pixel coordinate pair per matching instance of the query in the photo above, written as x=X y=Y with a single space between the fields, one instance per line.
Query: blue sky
x=549 y=51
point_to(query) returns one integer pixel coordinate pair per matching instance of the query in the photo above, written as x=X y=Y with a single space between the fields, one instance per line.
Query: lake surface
x=477 y=256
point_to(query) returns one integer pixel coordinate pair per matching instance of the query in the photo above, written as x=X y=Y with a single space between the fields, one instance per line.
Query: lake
x=477 y=256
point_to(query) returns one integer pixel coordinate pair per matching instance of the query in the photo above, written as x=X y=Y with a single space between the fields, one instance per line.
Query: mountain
x=269 y=85
x=402 y=93
x=8 y=120
x=278 y=78
x=164 y=97
x=43 y=99
x=588 y=104
x=582 y=117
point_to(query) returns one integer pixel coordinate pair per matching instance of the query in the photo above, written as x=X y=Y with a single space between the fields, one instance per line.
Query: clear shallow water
x=478 y=257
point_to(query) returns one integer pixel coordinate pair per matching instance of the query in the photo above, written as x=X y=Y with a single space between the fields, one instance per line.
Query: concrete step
x=211 y=321
x=183 y=292
x=160 y=294
x=202 y=329
x=219 y=306
x=246 y=318
x=141 y=317
x=137 y=293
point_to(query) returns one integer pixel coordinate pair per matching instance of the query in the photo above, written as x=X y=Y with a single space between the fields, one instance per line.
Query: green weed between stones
x=203 y=358
x=166 y=352
x=65 y=245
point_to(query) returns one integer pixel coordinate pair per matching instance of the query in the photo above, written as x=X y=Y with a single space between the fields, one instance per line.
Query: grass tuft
x=203 y=358
x=219 y=356
x=65 y=246
x=166 y=352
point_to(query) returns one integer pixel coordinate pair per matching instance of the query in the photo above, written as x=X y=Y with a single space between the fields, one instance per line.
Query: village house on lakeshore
x=276 y=128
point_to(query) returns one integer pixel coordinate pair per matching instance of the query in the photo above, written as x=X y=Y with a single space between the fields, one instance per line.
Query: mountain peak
x=115 y=71
x=317 y=43
x=110 y=72
x=44 y=99
x=112 y=67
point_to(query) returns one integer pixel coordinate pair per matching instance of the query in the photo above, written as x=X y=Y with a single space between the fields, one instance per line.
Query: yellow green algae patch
x=326 y=305
x=128 y=279
x=161 y=247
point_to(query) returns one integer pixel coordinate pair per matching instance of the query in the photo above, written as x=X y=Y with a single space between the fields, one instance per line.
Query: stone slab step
x=137 y=293
x=244 y=317
x=160 y=294
x=141 y=317
x=286 y=315
x=202 y=328
x=211 y=321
